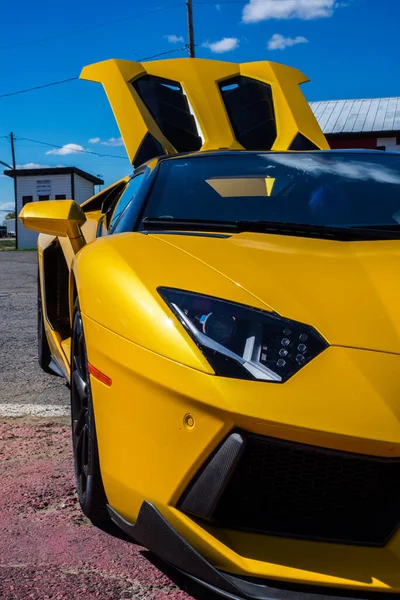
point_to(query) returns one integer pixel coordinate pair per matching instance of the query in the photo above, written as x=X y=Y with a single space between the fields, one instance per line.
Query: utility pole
x=189 y=7
x=14 y=166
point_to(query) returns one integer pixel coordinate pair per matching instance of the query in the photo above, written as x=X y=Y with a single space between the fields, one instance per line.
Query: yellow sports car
x=228 y=320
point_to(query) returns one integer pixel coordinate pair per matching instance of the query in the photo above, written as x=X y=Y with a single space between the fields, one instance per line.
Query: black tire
x=44 y=354
x=89 y=484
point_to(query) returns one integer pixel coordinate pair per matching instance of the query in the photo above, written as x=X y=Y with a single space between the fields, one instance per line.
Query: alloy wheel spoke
x=80 y=392
x=79 y=422
x=84 y=449
x=81 y=386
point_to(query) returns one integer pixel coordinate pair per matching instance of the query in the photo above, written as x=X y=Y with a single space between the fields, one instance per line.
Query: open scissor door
x=184 y=105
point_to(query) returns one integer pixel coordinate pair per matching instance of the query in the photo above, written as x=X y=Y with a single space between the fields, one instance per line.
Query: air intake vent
x=250 y=108
x=169 y=107
x=287 y=489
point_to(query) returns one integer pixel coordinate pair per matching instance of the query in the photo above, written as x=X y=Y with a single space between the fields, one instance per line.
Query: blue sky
x=348 y=48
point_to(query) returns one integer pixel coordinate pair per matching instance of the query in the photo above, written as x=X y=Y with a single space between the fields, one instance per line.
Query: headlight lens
x=244 y=342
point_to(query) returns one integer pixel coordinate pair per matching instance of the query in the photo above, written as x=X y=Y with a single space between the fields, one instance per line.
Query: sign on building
x=43 y=187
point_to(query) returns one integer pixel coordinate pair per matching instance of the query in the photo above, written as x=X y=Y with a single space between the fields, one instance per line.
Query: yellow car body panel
x=164 y=411
x=288 y=275
x=362 y=421
x=200 y=78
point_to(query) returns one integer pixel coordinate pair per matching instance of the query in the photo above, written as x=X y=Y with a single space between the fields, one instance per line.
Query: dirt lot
x=48 y=550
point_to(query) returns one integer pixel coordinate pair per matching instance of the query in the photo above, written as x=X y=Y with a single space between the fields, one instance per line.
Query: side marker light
x=99 y=375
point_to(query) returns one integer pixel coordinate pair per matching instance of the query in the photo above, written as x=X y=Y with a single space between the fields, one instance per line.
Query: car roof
x=223 y=152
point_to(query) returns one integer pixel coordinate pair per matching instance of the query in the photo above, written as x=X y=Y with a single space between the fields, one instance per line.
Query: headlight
x=244 y=342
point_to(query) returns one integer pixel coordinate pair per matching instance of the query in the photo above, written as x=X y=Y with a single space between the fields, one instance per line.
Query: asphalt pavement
x=23 y=385
x=48 y=549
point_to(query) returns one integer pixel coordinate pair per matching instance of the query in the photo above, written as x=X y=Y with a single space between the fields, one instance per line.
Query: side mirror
x=62 y=218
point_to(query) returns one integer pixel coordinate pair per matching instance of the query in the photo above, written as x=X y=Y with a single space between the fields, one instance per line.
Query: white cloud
x=225 y=45
x=174 y=39
x=32 y=165
x=6 y=206
x=112 y=141
x=279 y=42
x=67 y=149
x=318 y=165
x=257 y=10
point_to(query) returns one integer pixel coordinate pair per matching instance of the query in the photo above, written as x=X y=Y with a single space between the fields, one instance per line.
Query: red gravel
x=48 y=549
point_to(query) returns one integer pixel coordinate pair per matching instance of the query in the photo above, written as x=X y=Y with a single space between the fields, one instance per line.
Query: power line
x=38 y=87
x=185 y=47
x=46 y=85
x=92 y=27
x=83 y=151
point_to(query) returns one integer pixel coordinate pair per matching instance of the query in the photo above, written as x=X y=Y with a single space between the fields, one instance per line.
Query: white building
x=10 y=224
x=59 y=183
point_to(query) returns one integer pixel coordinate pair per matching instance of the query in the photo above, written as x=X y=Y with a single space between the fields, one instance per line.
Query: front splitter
x=152 y=531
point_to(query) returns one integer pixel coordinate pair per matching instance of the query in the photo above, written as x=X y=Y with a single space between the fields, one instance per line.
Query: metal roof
x=358 y=116
x=53 y=171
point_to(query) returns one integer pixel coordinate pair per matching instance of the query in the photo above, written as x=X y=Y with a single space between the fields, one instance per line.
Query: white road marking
x=36 y=410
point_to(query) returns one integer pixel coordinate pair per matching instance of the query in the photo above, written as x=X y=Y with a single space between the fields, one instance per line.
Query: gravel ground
x=48 y=549
x=21 y=379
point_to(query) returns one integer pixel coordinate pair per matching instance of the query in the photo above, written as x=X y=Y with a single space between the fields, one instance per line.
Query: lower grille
x=294 y=490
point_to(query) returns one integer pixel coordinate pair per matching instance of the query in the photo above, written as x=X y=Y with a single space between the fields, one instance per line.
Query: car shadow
x=111 y=529
x=193 y=589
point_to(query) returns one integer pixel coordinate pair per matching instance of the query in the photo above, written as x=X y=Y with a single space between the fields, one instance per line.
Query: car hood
x=349 y=291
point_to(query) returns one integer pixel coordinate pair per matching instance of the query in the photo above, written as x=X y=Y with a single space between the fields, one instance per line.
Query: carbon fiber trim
x=155 y=533
x=203 y=495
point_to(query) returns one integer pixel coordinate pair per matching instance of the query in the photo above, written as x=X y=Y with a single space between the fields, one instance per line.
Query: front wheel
x=91 y=494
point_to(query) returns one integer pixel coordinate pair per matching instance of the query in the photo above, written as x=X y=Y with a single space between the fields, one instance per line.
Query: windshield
x=331 y=189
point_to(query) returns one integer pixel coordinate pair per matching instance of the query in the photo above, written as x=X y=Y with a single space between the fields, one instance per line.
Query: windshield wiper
x=168 y=223
x=280 y=227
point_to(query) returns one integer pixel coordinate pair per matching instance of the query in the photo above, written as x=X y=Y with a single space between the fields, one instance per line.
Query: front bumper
x=155 y=533
x=345 y=400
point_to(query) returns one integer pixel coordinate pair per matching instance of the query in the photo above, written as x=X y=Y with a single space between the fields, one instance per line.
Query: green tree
x=10 y=215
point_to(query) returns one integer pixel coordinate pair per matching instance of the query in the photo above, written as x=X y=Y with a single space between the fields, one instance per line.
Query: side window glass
x=126 y=199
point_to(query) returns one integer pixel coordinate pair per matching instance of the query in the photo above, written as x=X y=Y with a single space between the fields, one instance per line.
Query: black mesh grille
x=250 y=108
x=293 y=490
x=169 y=107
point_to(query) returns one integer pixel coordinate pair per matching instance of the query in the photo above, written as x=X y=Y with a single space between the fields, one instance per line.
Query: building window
x=26 y=199
x=381 y=147
x=44 y=197
x=61 y=197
